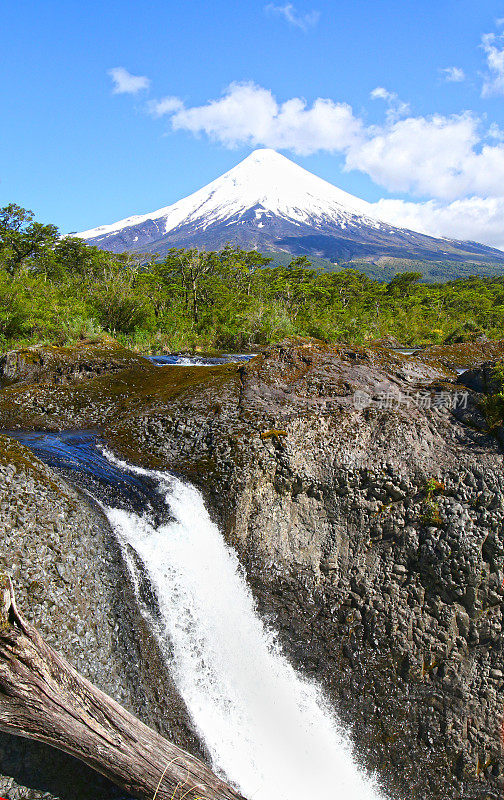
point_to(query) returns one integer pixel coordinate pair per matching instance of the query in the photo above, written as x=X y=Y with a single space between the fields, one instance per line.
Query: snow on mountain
x=267 y=202
x=264 y=179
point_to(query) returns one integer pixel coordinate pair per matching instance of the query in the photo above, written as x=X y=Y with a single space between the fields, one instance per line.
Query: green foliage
x=22 y=239
x=494 y=409
x=493 y=405
x=498 y=376
x=433 y=487
x=402 y=284
x=57 y=290
x=431 y=515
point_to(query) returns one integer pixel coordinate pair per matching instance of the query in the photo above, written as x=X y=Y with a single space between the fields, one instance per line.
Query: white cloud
x=493 y=46
x=167 y=105
x=396 y=107
x=438 y=156
x=495 y=132
x=434 y=156
x=294 y=17
x=249 y=114
x=475 y=218
x=126 y=83
x=380 y=93
x=453 y=74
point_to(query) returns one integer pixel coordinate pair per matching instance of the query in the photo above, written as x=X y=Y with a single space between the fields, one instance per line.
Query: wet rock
x=61 y=365
x=463 y=355
x=341 y=503
x=372 y=535
x=481 y=379
x=72 y=585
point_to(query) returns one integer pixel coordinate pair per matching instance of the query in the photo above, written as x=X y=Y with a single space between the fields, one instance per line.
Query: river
x=268 y=730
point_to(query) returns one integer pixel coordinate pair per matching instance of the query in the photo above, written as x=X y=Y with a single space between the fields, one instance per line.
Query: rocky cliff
x=364 y=493
x=71 y=582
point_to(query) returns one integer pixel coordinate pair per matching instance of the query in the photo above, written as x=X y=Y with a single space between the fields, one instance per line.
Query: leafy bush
x=59 y=289
x=494 y=403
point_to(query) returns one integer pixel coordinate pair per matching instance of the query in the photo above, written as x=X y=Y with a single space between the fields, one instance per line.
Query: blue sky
x=354 y=91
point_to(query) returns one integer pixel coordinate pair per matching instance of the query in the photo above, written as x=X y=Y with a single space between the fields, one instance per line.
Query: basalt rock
x=463 y=355
x=364 y=493
x=70 y=578
x=483 y=379
x=369 y=516
x=63 y=365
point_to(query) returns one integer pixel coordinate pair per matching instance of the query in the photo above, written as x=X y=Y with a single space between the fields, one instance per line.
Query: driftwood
x=43 y=698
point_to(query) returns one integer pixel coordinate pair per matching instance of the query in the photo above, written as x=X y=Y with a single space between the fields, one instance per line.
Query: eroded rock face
x=63 y=365
x=373 y=541
x=70 y=582
x=464 y=354
x=372 y=535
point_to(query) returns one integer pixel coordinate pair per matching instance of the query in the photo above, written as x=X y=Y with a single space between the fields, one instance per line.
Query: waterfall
x=268 y=731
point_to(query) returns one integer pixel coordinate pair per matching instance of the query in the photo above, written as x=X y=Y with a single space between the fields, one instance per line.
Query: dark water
x=80 y=456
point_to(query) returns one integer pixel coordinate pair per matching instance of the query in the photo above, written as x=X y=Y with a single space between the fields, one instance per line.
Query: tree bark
x=43 y=698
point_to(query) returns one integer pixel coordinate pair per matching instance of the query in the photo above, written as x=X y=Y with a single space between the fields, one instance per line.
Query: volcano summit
x=271 y=204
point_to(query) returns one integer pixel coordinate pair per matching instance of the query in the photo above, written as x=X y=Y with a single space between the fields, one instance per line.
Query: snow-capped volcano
x=269 y=203
x=265 y=181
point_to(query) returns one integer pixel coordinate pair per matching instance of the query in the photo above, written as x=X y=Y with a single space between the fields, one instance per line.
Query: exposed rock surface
x=371 y=531
x=68 y=573
x=65 y=364
x=464 y=354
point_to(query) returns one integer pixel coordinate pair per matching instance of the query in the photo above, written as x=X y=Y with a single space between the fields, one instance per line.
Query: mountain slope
x=269 y=203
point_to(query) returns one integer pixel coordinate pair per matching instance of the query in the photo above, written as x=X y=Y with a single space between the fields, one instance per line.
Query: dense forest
x=57 y=290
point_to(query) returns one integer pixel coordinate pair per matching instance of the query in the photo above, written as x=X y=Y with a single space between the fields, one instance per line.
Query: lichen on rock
x=71 y=584
x=397 y=614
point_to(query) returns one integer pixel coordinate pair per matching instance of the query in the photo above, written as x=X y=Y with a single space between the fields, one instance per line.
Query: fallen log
x=43 y=698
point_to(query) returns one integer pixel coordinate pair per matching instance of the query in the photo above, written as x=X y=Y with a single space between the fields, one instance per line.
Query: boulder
x=63 y=365
x=71 y=580
x=368 y=517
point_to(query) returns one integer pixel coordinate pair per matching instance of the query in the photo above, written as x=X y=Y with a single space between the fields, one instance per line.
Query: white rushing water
x=269 y=732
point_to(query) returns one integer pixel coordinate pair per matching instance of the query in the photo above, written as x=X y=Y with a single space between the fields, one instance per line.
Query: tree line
x=57 y=290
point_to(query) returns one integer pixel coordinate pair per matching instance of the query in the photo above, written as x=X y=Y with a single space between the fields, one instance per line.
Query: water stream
x=200 y=361
x=269 y=731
